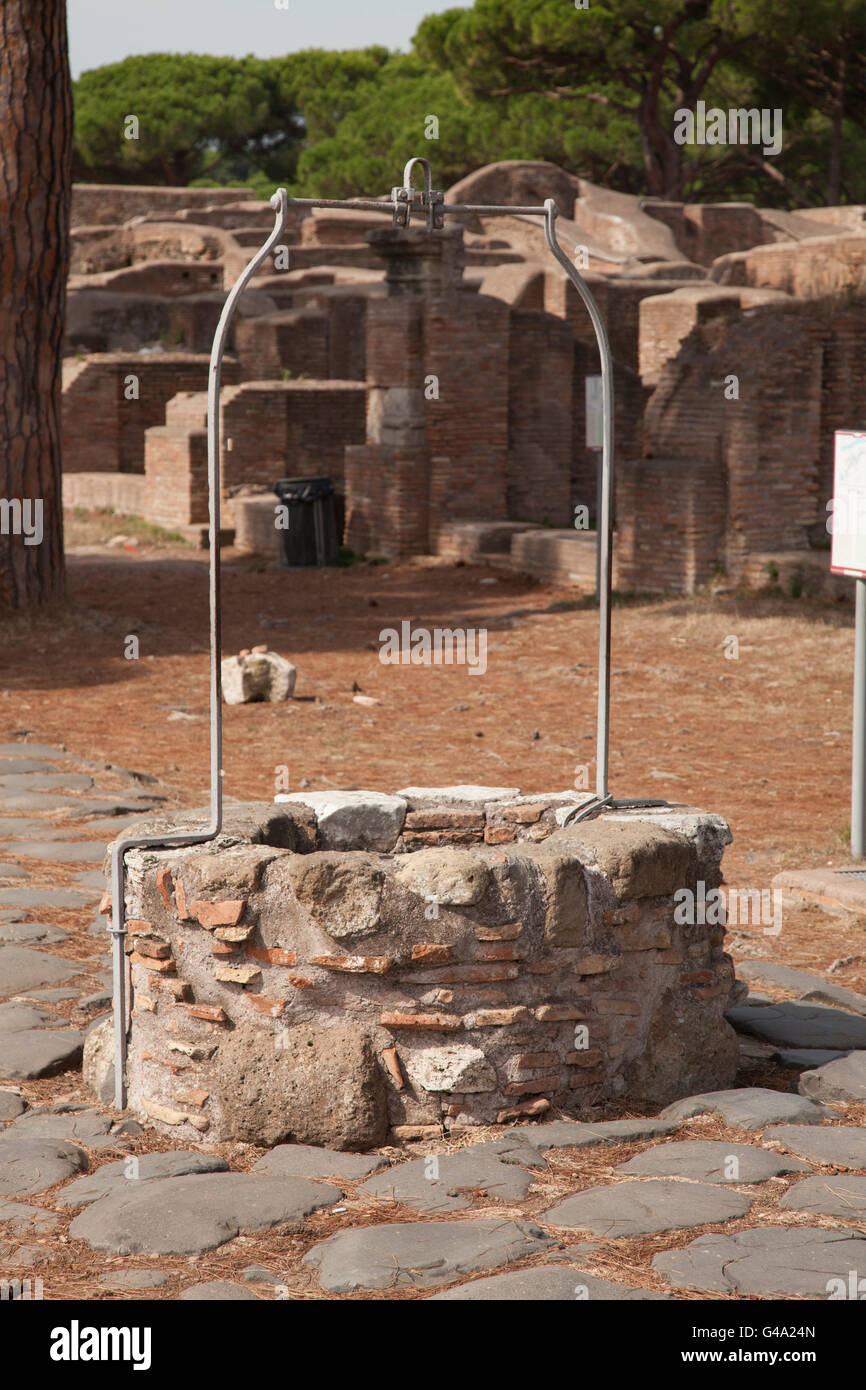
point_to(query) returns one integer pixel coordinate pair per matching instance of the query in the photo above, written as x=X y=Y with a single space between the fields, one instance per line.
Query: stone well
x=343 y=965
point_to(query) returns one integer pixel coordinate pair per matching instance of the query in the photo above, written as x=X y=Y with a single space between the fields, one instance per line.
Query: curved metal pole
x=605 y=521
x=279 y=202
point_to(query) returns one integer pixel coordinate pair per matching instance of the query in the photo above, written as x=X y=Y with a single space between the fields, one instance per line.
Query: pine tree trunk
x=35 y=171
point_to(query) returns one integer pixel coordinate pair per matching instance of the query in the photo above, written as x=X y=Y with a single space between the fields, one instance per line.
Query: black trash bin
x=311 y=535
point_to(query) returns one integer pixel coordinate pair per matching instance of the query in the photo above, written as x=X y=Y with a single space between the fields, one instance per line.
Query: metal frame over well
x=403 y=203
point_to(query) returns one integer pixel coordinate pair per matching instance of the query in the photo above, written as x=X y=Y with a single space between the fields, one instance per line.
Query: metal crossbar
x=404 y=201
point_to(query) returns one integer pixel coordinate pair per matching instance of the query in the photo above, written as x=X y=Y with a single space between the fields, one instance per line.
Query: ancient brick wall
x=540 y=444
x=110 y=203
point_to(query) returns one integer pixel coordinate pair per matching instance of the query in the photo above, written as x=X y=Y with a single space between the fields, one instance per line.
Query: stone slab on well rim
x=421 y=798
x=352 y=819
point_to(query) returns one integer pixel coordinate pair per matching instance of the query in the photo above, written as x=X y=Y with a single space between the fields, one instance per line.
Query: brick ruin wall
x=449 y=965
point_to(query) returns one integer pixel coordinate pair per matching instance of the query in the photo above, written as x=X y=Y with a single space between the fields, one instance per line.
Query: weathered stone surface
x=123 y=1175
x=234 y=872
x=456 y=1067
x=843 y=1146
x=807 y=986
x=806 y=1058
x=341 y=892
x=801 y=1025
x=566 y=1134
x=217 y=1291
x=183 y=1216
x=843 y=1195
x=86 y=1127
x=36 y=1052
x=460 y=795
x=640 y=859
x=788 y=1262
x=353 y=819
x=324 y=1086
x=257 y=676
x=543 y=1283
x=12 y=871
x=13 y=782
x=753 y=1107
x=419 y=1254
x=708 y=1160
x=309 y=1161
x=22 y=969
x=98 y=1060
x=688 y=1047
x=11 y=1106
x=133 y=1279
x=39 y=898
x=29 y=1165
x=640 y=1208
x=62 y=851
x=566 y=903
x=24 y=932
x=844 y=1079
x=14 y=1018
x=449 y=1182
x=19 y=1218
x=450 y=877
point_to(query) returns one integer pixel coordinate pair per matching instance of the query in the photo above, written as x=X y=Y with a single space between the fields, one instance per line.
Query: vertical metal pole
x=599 y=489
x=858 y=763
x=605 y=520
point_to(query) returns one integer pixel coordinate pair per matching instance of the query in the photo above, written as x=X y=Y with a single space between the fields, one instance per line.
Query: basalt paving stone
x=32 y=750
x=47 y=996
x=85 y=1127
x=94 y=880
x=805 y=1058
x=37 y=1052
x=809 y=987
x=122 y=1175
x=94 y=1003
x=308 y=1161
x=19 y=765
x=114 y=825
x=39 y=898
x=544 y=1283
x=133 y=1279
x=564 y=1134
x=751 y=1108
x=12 y=871
x=31 y=1164
x=186 y=1215
x=793 y=1261
x=32 y=931
x=217 y=1291
x=641 y=1208
x=257 y=1274
x=11 y=1106
x=420 y=1254
x=11 y=914
x=800 y=1025
x=843 y=1079
x=844 y=1146
x=27 y=827
x=508 y=1150
x=15 y=1017
x=62 y=851
x=843 y=1195
x=77 y=806
x=708 y=1160
x=449 y=1182
x=14 y=782
x=19 y=1218
x=21 y=968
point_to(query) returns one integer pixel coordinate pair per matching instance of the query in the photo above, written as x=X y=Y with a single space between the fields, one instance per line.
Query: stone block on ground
x=640 y=1208
x=840 y=1080
x=769 y=1261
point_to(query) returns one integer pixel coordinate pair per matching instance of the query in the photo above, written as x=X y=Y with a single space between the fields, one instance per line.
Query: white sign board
x=848 y=520
x=594 y=412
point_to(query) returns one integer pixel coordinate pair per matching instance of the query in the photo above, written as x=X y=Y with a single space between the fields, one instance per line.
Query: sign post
x=848 y=556
x=594 y=439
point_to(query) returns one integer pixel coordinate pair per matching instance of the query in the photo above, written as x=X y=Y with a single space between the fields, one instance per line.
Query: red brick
x=219 y=914
x=432 y=952
x=445 y=1022
x=275 y=955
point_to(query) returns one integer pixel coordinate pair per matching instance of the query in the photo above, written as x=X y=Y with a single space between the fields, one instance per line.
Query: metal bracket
x=430 y=199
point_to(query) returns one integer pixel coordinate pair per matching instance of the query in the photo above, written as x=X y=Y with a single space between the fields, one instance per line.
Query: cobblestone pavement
x=760 y=1190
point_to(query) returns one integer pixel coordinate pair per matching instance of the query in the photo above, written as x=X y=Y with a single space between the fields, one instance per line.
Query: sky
x=105 y=31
